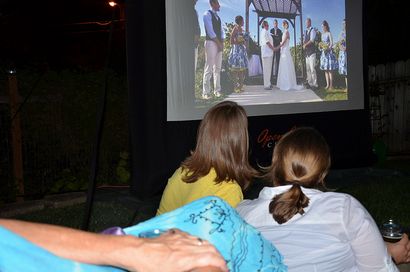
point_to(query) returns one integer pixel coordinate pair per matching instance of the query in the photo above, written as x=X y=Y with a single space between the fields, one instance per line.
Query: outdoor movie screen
x=270 y=56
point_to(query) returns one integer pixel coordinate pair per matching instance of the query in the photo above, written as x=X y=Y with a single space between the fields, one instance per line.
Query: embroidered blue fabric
x=209 y=218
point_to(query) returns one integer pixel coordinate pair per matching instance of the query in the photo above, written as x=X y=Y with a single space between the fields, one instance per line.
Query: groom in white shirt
x=267 y=55
x=213 y=50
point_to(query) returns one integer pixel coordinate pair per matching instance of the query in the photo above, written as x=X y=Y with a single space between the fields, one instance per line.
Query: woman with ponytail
x=314 y=230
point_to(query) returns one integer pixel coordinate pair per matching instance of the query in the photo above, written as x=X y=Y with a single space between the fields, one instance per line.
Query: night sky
x=386 y=24
x=29 y=28
x=37 y=30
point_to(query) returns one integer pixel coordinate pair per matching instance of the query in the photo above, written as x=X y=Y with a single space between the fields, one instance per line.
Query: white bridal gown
x=286 y=74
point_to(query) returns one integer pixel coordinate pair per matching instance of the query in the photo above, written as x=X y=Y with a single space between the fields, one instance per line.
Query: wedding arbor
x=284 y=9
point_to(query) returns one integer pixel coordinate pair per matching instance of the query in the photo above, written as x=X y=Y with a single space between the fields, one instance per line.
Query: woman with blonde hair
x=314 y=230
x=219 y=164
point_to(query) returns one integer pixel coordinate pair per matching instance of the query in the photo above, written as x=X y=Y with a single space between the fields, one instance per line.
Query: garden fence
x=389 y=90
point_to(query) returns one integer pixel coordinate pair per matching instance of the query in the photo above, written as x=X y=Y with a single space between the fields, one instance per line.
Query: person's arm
x=400 y=251
x=365 y=239
x=209 y=30
x=312 y=36
x=174 y=251
x=266 y=34
x=330 y=40
x=286 y=38
x=233 y=34
x=341 y=46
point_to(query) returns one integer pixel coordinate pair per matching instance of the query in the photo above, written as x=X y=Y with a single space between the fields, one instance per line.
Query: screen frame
x=353 y=11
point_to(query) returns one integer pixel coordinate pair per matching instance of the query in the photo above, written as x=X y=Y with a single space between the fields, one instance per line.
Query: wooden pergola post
x=247 y=3
x=16 y=143
x=302 y=40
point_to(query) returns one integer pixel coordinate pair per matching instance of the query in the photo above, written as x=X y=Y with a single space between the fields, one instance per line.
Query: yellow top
x=177 y=193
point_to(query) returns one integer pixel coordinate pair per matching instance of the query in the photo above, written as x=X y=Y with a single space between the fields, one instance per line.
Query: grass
x=104 y=215
x=402 y=165
x=384 y=198
x=332 y=94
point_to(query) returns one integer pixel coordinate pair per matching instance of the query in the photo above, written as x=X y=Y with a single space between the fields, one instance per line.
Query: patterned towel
x=209 y=218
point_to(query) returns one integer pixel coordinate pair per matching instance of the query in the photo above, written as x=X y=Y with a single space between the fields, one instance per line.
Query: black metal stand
x=100 y=126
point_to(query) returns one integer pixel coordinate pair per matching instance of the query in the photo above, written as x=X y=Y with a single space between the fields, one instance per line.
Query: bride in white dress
x=286 y=74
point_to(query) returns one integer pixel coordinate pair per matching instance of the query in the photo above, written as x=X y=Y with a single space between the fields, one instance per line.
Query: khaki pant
x=267 y=70
x=213 y=63
x=311 y=71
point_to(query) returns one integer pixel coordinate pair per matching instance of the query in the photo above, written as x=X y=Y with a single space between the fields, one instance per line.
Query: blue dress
x=343 y=55
x=238 y=57
x=328 y=61
x=209 y=218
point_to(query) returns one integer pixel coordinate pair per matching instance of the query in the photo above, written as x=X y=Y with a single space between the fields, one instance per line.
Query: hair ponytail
x=284 y=206
x=300 y=158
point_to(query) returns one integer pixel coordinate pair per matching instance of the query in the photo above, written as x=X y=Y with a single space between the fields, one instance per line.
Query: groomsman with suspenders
x=213 y=50
x=310 y=54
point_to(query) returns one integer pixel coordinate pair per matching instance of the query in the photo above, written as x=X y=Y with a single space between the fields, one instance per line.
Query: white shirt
x=266 y=51
x=336 y=233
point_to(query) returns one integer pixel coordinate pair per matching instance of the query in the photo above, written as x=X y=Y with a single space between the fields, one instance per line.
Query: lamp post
x=16 y=142
x=120 y=6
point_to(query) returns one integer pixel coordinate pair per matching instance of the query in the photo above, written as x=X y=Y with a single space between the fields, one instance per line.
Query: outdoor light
x=11 y=71
x=112 y=3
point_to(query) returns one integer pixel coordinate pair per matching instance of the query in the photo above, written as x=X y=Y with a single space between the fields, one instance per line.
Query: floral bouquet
x=243 y=37
x=323 y=46
x=342 y=44
x=240 y=39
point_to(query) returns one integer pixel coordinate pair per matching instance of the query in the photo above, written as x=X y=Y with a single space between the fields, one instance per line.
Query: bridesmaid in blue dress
x=238 y=57
x=328 y=61
x=343 y=52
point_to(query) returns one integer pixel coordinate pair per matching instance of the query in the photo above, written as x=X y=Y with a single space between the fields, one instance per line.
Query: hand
x=177 y=251
x=400 y=251
x=220 y=46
